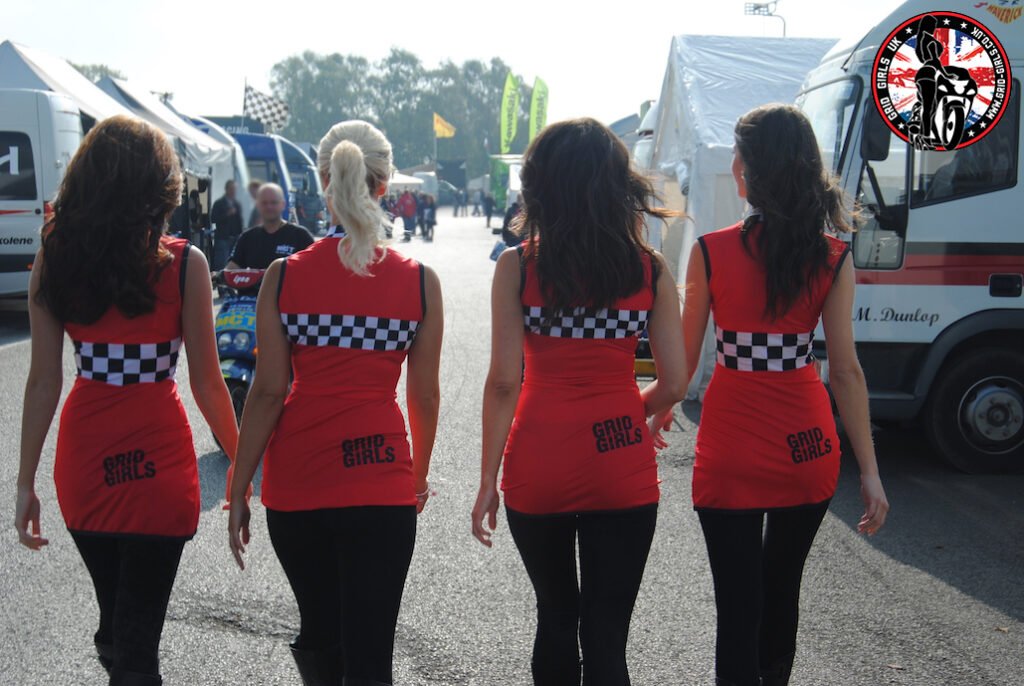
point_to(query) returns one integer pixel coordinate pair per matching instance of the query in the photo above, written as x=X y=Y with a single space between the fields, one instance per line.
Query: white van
x=39 y=132
x=939 y=312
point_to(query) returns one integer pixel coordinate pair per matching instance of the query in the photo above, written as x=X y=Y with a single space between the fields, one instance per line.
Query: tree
x=95 y=72
x=400 y=95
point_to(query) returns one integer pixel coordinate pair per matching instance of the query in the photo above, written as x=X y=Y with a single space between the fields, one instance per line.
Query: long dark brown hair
x=583 y=211
x=102 y=247
x=797 y=197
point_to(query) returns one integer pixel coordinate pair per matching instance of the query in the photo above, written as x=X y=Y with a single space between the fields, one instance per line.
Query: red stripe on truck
x=944 y=270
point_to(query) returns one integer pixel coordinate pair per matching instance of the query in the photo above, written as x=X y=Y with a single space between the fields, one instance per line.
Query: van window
x=986 y=166
x=17 y=170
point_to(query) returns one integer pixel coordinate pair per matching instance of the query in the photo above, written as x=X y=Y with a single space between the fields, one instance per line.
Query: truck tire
x=974 y=417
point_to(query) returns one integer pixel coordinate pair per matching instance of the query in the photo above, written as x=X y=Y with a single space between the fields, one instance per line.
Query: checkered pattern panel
x=120 y=364
x=265 y=108
x=350 y=331
x=583 y=322
x=763 y=352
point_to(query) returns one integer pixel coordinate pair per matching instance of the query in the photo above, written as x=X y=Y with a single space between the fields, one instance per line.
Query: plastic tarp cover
x=199 y=153
x=25 y=67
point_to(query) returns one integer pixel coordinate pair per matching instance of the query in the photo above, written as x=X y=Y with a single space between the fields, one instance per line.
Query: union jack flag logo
x=941 y=81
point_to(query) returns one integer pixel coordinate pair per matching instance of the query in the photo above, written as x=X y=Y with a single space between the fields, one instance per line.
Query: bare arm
x=696 y=309
x=501 y=390
x=666 y=338
x=42 y=393
x=262 y=407
x=850 y=390
x=205 y=377
x=423 y=389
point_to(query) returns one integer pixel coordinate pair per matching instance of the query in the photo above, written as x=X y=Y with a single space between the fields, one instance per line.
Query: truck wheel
x=974 y=417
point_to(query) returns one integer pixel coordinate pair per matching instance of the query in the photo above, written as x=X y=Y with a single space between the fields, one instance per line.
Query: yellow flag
x=442 y=129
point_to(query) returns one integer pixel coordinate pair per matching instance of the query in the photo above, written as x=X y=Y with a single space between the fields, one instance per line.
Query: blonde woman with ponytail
x=342 y=483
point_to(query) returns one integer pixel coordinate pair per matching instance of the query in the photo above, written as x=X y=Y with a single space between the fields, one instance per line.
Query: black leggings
x=757 y=562
x=595 y=613
x=133 y=578
x=347 y=568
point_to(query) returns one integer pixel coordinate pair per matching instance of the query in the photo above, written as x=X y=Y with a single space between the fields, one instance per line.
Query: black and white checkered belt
x=357 y=332
x=121 y=364
x=584 y=322
x=763 y=352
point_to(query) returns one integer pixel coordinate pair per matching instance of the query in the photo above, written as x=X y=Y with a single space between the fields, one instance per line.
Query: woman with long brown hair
x=767 y=452
x=579 y=463
x=125 y=467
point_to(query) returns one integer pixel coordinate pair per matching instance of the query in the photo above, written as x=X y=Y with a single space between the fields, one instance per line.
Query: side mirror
x=874 y=139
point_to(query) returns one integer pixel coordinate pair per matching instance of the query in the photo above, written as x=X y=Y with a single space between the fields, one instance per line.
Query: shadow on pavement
x=13 y=327
x=213 y=480
x=965 y=530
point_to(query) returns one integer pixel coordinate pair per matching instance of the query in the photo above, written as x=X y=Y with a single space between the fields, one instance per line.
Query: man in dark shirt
x=261 y=245
x=226 y=215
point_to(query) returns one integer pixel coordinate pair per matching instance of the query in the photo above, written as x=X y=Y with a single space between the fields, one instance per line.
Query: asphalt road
x=936 y=598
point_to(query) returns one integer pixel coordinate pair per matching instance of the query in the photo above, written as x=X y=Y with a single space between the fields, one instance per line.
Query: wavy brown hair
x=797 y=197
x=102 y=248
x=583 y=212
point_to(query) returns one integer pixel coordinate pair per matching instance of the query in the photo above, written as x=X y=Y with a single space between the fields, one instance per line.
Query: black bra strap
x=522 y=270
x=280 y=282
x=423 y=290
x=183 y=269
x=707 y=258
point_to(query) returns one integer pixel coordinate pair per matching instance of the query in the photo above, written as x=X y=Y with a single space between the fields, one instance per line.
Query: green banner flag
x=509 y=112
x=538 y=107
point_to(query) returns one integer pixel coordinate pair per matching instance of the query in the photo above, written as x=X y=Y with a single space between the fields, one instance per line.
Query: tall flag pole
x=538 y=107
x=509 y=113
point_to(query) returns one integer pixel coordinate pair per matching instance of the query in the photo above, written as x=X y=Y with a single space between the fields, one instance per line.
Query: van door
x=21 y=195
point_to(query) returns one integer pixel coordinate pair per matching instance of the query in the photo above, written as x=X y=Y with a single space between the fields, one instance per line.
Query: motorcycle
x=235 y=329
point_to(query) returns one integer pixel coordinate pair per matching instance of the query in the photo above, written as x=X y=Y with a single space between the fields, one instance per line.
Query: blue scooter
x=235 y=328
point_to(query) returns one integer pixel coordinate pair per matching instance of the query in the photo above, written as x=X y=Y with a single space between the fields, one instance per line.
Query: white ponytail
x=357 y=158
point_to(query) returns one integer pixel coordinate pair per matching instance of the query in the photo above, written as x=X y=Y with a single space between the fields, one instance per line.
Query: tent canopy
x=24 y=67
x=200 y=154
x=400 y=181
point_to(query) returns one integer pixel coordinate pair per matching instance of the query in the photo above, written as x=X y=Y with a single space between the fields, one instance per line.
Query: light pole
x=764 y=9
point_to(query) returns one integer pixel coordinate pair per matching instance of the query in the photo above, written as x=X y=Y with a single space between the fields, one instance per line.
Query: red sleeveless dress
x=125 y=461
x=341 y=438
x=579 y=440
x=767 y=438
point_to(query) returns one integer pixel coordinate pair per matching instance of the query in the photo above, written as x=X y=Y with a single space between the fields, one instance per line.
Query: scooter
x=235 y=329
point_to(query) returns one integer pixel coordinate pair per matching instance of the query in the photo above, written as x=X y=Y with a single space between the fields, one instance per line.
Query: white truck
x=939 y=312
x=39 y=132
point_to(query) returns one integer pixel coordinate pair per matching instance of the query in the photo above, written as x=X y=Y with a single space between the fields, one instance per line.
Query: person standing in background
x=488 y=208
x=406 y=208
x=429 y=219
x=226 y=216
x=254 y=216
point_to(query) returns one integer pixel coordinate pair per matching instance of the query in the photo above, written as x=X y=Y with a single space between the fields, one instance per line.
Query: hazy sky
x=596 y=62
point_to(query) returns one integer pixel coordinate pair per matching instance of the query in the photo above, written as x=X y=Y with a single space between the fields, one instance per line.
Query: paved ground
x=935 y=599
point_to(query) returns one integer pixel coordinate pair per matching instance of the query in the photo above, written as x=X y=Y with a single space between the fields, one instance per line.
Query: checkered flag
x=264 y=108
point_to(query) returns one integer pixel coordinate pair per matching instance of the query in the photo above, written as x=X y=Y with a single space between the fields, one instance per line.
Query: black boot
x=120 y=677
x=778 y=673
x=105 y=654
x=318 y=667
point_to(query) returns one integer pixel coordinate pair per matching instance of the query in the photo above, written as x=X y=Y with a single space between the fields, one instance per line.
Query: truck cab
x=939 y=253
x=39 y=134
x=274 y=159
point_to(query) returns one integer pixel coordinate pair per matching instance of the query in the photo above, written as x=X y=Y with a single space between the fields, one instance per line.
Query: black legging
x=757 y=562
x=133 y=577
x=347 y=568
x=595 y=613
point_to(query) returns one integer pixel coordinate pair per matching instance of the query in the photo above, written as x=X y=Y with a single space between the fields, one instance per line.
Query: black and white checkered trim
x=357 y=332
x=120 y=364
x=763 y=352
x=584 y=322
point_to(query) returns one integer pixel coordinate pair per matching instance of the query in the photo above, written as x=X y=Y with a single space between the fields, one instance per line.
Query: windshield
x=831 y=108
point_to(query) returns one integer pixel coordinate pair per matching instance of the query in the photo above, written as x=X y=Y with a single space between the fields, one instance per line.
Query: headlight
x=242 y=340
x=224 y=341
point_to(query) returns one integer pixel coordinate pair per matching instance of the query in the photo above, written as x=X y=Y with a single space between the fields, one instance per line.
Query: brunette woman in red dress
x=128 y=297
x=341 y=483
x=767 y=452
x=579 y=462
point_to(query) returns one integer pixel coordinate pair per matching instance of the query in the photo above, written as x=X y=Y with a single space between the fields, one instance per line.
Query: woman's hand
x=227 y=488
x=26 y=519
x=876 y=506
x=422 y=496
x=658 y=423
x=238 y=528
x=486 y=504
